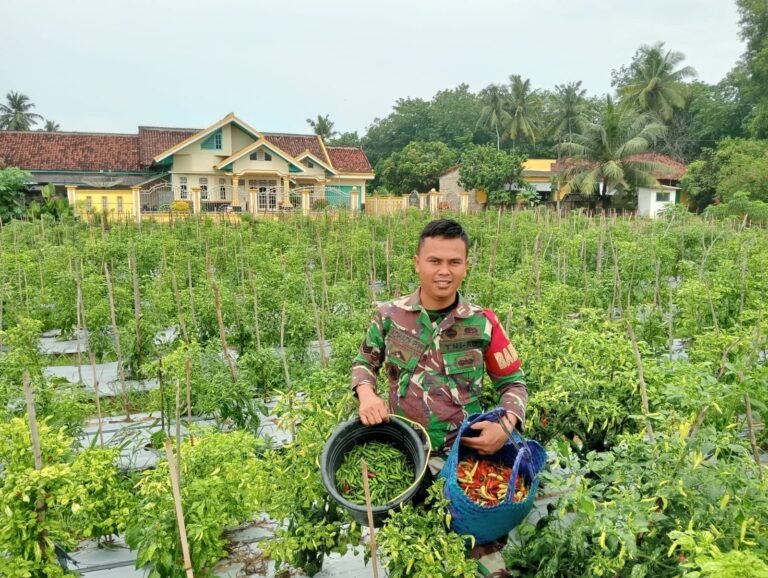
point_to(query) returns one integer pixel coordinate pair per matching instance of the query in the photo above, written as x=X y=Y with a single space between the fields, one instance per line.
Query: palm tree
x=603 y=157
x=323 y=126
x=15 y=115
x=51 y=126
x=655 y=83
x=494 y=115
x=569 y=109
x=522 y=100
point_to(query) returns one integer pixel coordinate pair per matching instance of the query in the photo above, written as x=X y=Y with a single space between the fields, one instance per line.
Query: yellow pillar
x=464 y=202
x=434 y=198
x=253 y=194
x=286 y=192
x=235 y=191
x=423 y=199
x=305 y=202
x=136 y=203
x=195 y=199
x=71 y=195
x=353 y=200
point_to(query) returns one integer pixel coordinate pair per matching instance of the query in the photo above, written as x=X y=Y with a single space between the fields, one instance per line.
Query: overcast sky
x=109 y=66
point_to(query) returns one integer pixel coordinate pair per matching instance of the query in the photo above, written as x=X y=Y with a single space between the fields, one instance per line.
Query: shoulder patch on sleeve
x=501 y=357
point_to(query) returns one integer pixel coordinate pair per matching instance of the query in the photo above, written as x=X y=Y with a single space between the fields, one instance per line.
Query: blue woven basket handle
x=516 y=471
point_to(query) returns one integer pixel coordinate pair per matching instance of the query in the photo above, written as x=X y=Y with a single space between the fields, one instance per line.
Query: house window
x=182 y=187
x=213 y=142
x=222 y=189
x=662 y=197
x=203 y=188
x=88 y=203
x=254 y=156
x=309 y=164
x=104 y=204
x=119 y=204
x=267 y=156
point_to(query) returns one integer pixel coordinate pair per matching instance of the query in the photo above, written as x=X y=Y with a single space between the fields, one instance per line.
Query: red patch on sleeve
x=501 y=357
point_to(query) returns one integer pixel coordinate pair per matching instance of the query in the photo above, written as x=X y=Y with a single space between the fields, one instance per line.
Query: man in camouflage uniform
x=435 y=348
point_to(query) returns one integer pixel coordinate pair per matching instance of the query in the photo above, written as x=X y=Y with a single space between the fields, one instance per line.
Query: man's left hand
x=492 y=436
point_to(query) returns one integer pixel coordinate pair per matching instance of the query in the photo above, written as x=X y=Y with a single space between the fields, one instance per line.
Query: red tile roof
x=72 y=151
x=296 y=144
x=349 y=160
x=69 y=151
x=154 y=140
x=674 y=171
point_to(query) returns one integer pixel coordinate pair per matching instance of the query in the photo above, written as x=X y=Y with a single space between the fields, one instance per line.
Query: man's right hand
x=373 y=410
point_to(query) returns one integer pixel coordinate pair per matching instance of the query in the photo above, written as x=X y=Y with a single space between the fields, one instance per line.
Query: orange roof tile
x=69 y=151
x=349 y=159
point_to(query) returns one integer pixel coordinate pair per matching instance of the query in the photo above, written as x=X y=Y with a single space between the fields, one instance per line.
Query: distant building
x=227 y=166
x=536 y=172
x=650 y=201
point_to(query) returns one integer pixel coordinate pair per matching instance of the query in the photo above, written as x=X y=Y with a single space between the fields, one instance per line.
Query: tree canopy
x=16 y=113
x=484 y=168
x=417 y=167
x=13 y=185
x=603 y=158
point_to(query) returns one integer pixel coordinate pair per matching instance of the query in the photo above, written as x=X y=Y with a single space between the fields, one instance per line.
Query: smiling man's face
x=441 y=265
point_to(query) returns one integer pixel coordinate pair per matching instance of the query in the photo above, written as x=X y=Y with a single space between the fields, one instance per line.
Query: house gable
x=241 y=159
x=208 y=136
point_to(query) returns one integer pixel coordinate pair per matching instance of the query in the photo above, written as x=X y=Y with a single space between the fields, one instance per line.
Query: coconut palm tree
x=494 y=115
x=15 y=115
x=603 y=157
x=322 y=126
x=522 y=101
x=656 y=84
x=569 y=111
x=51 y=126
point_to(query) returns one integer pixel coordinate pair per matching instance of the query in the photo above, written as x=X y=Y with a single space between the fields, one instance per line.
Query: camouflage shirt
x=435 y=370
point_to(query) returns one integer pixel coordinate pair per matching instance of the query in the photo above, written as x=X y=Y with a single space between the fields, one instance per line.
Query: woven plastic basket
x=488 y=523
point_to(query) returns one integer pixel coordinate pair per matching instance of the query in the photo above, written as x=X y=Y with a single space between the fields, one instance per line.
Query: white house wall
x=240 y=140
x=647 y=205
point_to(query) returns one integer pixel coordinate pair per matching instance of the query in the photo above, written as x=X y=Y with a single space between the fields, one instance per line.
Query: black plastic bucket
x=353 y=433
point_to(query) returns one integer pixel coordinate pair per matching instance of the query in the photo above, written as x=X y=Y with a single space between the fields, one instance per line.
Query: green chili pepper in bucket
x=390 y=473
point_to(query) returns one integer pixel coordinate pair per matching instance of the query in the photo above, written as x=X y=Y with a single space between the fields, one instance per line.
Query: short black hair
x=445 y=228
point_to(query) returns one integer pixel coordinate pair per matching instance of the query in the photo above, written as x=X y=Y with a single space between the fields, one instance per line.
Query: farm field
x=643 y=343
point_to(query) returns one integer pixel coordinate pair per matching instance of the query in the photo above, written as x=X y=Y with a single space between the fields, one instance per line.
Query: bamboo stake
x=32 y=415
x=91 y=355
x=284 y=359
x=743 y=280
x=176 y=488
x=179 y=311
x=255 y=308
x=671 y=323
x=178 y=425
x=136 y=305
x=78 y=323
x=751 y=430
x=369 y=509
x=318 y=324
x=641 y=377
x=192 y=297
x=222 y=330
x=188 y=371
x=321 y=254
x=118 y=346
x=40 y=508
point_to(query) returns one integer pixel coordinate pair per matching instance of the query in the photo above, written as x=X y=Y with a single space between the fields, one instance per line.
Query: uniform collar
x=413 y=303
